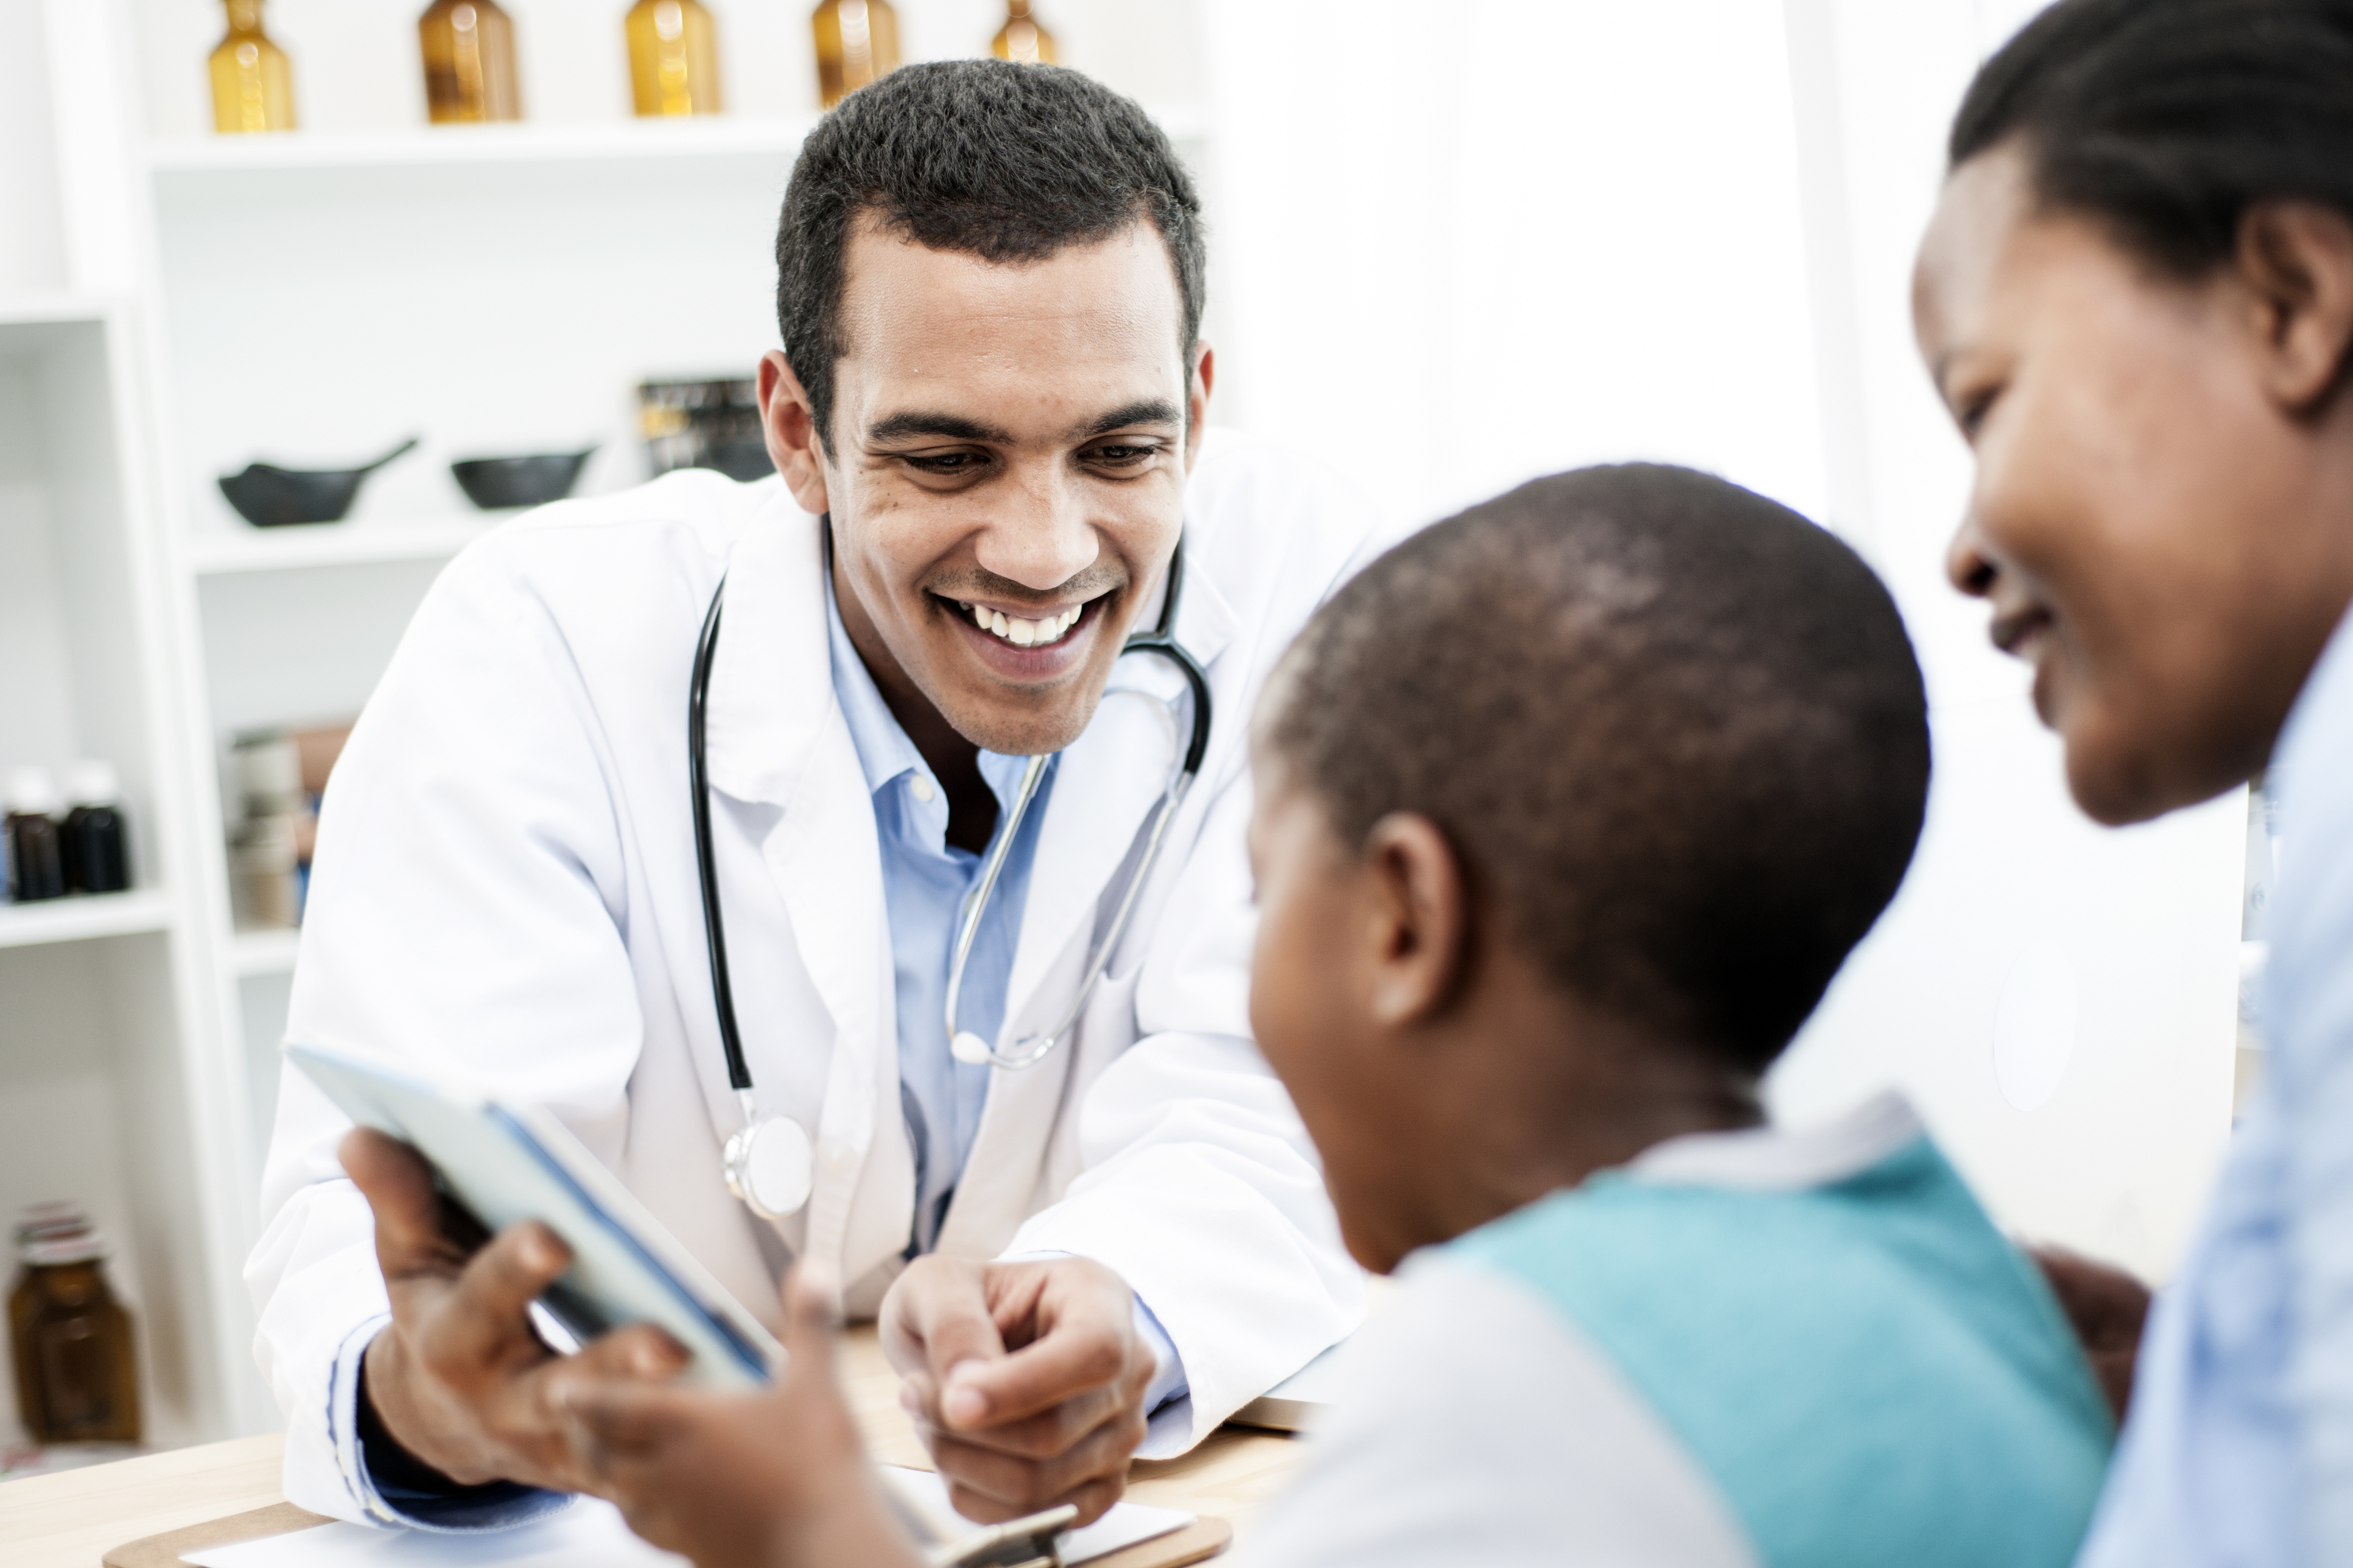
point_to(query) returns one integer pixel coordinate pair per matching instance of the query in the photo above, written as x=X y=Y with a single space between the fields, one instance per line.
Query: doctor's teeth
x=1025 y=634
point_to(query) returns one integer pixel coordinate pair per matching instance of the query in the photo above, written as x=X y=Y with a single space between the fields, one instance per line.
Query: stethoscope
x=769 y=1162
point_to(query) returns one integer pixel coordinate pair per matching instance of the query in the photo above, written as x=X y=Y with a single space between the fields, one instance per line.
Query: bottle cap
x=55 y=1232
x=92 y=782
x=28 y=790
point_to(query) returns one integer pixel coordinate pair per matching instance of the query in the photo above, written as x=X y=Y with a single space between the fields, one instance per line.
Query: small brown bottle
x=857 y=42
x=28 y=816
x=1021 y=39
x=673 y=58
x=76 y=1379
x=469 y=63
x=253 y=87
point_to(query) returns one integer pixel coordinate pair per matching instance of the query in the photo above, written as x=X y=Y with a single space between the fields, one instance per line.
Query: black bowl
x=491 y=483
x=267 y=496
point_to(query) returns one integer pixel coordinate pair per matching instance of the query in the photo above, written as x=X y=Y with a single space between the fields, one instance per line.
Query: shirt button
x=923 y=790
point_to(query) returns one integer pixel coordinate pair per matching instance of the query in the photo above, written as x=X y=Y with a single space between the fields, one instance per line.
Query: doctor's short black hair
x=1008 y=162
x=1675 y=732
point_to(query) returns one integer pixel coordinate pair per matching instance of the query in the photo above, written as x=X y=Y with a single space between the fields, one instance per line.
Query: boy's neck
x=1551 y=1090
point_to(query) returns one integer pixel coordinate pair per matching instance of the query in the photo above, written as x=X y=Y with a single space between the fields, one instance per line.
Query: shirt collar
x=884 y=751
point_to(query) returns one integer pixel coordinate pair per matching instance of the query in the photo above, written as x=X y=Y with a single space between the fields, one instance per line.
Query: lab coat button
x=839 y=1158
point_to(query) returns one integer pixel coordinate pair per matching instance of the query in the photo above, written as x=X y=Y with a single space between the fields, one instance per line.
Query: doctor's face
x=1006 y=472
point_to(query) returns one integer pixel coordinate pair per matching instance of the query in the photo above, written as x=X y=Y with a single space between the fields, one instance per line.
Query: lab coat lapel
x=1105 y=786
x=777 y=736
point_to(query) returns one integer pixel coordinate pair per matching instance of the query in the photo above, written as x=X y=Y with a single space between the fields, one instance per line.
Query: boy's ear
x=1421 y=920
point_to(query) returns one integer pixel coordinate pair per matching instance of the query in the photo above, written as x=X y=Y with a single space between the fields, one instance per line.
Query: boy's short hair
x=1008 y=162
x=1674 y=730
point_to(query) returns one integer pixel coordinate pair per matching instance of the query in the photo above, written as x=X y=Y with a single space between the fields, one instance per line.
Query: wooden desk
x=72 y=1520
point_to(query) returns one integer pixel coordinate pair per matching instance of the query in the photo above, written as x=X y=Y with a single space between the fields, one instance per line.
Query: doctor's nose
x=1041 y=536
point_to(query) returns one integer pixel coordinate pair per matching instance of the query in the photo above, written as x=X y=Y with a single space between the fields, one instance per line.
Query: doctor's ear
x=791 y=431
x=1419 y=919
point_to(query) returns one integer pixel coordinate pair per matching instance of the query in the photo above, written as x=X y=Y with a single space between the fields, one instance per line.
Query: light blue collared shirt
x=2239 y=1447
x=926 y=882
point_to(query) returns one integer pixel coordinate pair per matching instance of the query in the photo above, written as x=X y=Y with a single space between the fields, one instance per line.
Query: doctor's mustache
x=976 y=582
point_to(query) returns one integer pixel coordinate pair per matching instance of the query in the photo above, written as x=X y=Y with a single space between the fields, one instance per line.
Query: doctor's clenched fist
x=1026 y=1379
x=459 y=1379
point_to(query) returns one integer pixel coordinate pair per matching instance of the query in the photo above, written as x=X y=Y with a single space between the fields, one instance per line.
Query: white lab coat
x=505 y=887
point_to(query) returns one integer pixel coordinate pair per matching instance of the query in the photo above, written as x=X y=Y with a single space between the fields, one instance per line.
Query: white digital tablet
x=498 y=1162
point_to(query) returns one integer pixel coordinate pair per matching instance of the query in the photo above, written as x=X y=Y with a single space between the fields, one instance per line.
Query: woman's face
x=2152 y=529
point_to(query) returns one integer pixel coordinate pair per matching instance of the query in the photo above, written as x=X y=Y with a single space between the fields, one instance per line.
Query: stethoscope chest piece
x=770 y=1165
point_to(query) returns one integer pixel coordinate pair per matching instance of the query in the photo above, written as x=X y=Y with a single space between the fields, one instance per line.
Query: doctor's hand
x=459 y=1379
x=1026 y=1379
x=774 y=1480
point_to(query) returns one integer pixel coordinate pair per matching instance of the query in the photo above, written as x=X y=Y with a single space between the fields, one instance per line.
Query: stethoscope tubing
x=1161 y=640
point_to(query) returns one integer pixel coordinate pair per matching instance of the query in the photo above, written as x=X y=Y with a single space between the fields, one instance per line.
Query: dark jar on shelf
x=76 y=1379
x=93 y=848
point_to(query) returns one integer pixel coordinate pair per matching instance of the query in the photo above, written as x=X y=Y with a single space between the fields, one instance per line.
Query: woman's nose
x=1968 y=565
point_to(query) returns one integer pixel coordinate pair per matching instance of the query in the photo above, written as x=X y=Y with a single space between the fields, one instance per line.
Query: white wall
x=1550 y=232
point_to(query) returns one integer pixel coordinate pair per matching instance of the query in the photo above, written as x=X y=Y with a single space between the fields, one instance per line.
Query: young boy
x=1568 y=810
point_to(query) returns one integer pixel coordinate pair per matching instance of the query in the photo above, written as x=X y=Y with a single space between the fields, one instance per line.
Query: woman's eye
x=1970 y=412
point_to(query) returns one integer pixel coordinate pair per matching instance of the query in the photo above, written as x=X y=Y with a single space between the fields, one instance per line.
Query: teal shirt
x=1869 y=1373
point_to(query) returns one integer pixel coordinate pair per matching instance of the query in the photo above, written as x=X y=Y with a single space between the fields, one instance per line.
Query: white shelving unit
x=311 y=299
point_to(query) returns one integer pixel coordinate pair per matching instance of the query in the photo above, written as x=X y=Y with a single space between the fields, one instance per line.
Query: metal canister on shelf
x=708 y=424
x=264 y=850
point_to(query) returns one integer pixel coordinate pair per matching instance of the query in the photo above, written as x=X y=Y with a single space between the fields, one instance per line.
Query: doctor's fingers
x=410 y=1238
x=1042 y=1435
x=481 y=1324
x=1073 y=1359
x=992 y=1488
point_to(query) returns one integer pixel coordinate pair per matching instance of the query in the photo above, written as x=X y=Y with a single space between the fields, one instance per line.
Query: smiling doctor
x=988 y=421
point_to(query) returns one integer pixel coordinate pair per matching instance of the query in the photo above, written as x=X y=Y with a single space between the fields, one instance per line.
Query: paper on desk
x=591 y=1534
x=1124 y=1526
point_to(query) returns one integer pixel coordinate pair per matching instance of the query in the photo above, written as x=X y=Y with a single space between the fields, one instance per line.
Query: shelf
x=84 y=916
x=258 y=952
x=200 y=158
x=436 y=146
x=50 y=310
x=217 y=554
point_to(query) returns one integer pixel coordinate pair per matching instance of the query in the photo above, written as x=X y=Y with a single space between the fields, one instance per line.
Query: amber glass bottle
x=857 y=42
x=1021 y=38
x=470 y=62
x=70 y=1339
x=253 y=87
x=673 y=57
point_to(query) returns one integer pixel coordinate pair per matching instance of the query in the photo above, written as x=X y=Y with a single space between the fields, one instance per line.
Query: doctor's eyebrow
x=952 y=427
x=1149 y=411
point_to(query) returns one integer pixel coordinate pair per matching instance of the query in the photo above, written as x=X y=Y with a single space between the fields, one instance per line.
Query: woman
x=2136 y=301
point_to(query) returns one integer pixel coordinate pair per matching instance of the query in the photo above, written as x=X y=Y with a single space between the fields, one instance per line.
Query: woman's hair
x=2166 y=119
